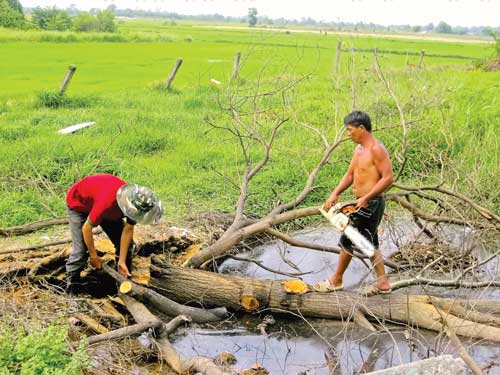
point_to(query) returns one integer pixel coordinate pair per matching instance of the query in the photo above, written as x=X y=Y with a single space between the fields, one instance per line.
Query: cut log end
x=249 y=303
x=125 y=287
x=295 y=286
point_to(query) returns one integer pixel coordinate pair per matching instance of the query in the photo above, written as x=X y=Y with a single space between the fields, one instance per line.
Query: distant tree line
x=252 y=19
x=71 y=18
x=12 y=16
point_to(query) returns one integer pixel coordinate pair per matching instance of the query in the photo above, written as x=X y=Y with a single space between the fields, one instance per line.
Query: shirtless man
x=370 y=174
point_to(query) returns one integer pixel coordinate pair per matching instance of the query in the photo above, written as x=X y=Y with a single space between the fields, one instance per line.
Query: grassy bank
x=161 y=139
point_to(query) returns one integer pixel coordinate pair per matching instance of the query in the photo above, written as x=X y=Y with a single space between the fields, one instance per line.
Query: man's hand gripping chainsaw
x=338 y=216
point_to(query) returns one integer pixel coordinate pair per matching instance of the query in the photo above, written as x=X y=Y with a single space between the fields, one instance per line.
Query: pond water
x=295 y=345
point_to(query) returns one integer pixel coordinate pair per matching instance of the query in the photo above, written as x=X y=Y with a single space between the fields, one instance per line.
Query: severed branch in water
x=165 y=349
x=447 y=326
x=428 y=217
x=461 y=350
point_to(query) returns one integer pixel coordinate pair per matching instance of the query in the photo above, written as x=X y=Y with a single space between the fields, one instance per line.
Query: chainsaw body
x=338 y=216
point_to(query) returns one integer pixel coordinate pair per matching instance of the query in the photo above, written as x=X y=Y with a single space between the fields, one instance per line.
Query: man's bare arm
x=344 y=183
x=88 y=238
x=125 y=240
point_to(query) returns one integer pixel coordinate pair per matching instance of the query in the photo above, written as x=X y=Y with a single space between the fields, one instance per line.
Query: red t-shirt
x=96 y=196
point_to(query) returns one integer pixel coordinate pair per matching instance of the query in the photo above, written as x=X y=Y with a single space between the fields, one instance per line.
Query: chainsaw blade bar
x=360 y=241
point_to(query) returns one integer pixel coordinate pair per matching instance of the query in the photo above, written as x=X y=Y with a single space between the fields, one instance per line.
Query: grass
x=161 y=139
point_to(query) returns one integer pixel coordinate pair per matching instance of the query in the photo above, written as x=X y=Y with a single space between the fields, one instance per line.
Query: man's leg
x=79 y=254
x=377 y=206
x=344 y=260
x=336 y=280
x=378 y=265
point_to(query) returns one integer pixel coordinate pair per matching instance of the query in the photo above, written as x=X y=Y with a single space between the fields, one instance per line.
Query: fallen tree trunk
x=32 y=227
x=235 y=235
x=188 y=285
x=35 y=247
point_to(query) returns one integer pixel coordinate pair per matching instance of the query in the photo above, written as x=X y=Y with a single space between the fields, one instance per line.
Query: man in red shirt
x=116 y=206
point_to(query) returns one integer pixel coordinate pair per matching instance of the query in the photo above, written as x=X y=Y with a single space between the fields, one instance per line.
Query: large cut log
x=188 y=285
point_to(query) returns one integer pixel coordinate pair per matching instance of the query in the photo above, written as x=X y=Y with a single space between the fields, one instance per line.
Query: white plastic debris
x=74 y=128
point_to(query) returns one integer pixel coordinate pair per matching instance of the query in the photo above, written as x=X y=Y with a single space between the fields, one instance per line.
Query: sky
x=384 y=12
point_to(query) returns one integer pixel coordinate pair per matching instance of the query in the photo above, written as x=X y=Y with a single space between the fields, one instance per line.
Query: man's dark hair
x=358 y=118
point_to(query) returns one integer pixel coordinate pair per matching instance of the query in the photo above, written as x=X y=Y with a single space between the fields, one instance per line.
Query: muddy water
x=296 y=346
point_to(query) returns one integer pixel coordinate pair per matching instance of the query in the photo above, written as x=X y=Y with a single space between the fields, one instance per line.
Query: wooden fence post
x=171 y=77
x=337 y=57
x=421 y=60
x=236 y=65
x=67 y=79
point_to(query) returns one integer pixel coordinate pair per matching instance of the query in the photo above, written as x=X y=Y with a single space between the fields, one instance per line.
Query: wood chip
x=141 y=270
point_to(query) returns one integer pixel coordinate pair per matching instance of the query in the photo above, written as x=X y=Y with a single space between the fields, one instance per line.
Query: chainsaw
x=338 y=216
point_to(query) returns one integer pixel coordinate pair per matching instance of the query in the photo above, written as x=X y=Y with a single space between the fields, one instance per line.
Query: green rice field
x=162 y=138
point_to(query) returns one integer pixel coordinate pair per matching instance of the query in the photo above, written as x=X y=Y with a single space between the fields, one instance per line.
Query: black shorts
x=366 y=221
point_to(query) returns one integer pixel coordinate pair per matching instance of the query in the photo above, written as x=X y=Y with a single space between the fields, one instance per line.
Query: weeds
x=42 y=350
x=54 y=99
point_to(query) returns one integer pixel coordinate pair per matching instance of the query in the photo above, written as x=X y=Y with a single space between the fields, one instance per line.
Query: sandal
x=373 y=290
x=325 y=287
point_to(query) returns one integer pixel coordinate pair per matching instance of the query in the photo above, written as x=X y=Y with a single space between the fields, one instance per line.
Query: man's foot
x=326 y=286
x=372 y=290
x=73 y=289
x=74 y=284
